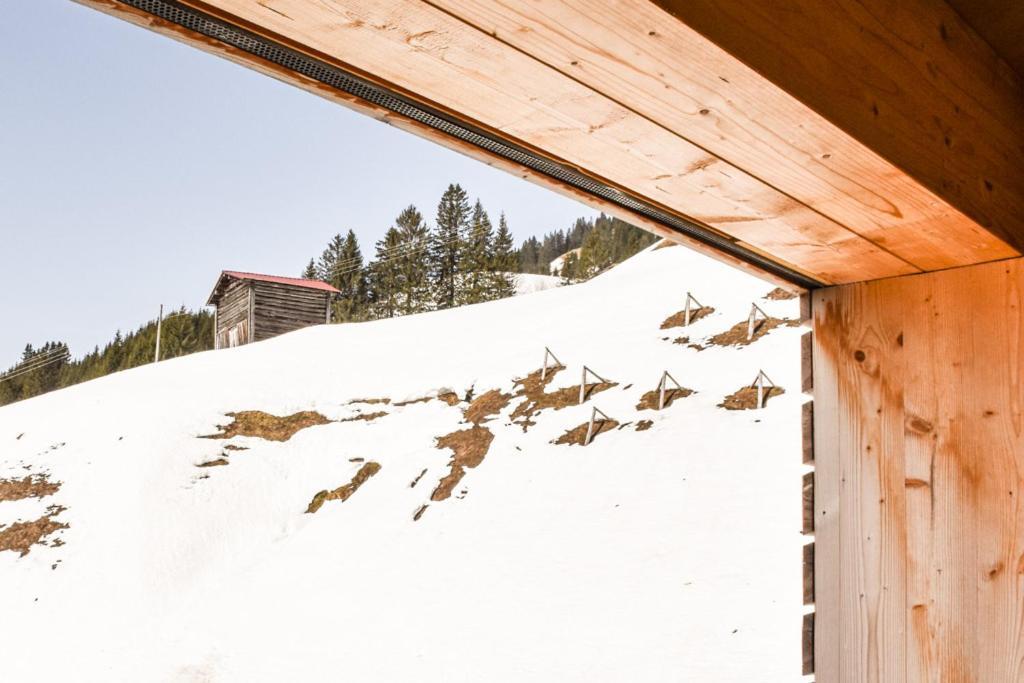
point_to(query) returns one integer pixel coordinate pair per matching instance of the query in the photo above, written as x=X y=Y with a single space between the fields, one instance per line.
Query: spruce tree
x=503 y=263
x=341 y=266
x=311 y=272
x=475 y=257
x=385 y=276
x=414 y=295
x=445 y=247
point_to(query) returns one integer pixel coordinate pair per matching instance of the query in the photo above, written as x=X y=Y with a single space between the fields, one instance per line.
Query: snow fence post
x=754 y=310
x=544 y=367
x=661 y=388
x=759 y=383
x=686 y=315
x=583 y=382
x=590 y=426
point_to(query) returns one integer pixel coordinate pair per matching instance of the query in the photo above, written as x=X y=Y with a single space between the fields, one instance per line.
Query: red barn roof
x=293 y=281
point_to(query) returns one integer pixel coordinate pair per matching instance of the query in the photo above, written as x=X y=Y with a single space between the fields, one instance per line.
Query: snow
x=528 y=283
x=666 y=554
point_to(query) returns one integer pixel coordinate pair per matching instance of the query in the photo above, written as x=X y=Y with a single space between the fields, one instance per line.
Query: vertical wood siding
x=919 y=453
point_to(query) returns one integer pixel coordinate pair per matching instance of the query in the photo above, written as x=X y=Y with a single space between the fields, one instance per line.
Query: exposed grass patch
x=365 y=417
x=345 y=492
x=780 y=294
x=746 y=398
x=469 y=447
x=644 y=425
x=449 y=397
x=679 y=319
x=649 y=401
x=233 y=447
x=537 y=399
x=737 y=334
x=266 y=426
x=21 y=536
x=412 y=484
x=578 y=434
x=219 y=462
x=33 y=486
x=419 y=512
x=486 y=405
x=371 y=401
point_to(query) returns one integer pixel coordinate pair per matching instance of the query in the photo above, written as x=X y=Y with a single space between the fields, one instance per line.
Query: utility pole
x=159 y=322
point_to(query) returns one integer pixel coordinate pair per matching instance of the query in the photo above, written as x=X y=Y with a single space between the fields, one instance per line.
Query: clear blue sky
x=134 y=168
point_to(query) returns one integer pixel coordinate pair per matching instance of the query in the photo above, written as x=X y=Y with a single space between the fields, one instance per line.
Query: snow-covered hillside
x=528 y=283
x=666 y=550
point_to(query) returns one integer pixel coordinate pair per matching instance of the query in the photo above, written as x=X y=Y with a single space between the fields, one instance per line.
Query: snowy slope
x=528 y=283
x=670 y=554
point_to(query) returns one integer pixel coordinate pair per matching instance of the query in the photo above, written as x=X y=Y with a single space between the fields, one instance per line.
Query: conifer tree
x=311 y=273
x=445 y=247
x=475 y=259
x=414 y=272
x=341 y=266
x=385 y=276
x=503 y=263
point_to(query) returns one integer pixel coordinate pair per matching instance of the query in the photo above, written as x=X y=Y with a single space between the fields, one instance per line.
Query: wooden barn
x=253 y=307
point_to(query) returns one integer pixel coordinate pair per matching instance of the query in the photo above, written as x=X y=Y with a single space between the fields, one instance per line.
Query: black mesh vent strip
x=329 y=75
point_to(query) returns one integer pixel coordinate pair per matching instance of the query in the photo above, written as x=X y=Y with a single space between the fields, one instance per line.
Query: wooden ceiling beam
x=667 y=72
x=667 y=103
x=909 y=80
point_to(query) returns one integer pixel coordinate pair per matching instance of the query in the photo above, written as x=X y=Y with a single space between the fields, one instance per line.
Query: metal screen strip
x=202 y=23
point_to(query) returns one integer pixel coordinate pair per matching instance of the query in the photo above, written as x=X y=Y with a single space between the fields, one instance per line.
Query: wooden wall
x=282 y=308
x=232 y=312
x=919 y=463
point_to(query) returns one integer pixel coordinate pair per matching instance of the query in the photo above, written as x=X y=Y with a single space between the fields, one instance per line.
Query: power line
x=37 y=358
x=20 y=373
x=407 y=249
x=334 y=272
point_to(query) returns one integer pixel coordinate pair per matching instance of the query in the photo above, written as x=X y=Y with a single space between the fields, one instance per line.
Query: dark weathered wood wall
x=232 y=311
x=283 y=308
x=919 y=477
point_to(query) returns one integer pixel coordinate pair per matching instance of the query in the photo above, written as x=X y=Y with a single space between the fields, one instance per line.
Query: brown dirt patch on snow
x=780 y=294
x=536 y=399
x=576 y=435
x=679 y=319
x=649 y=401
x=365 y=416
x=449 y=397
x=219 y=462
x=266 y=426
x=469 y=446
x=21 y=536
x=737 y=334
x=370 y=401
x=486 y=405
x=644 y=425
x=34 y=486
x=746 y=398
x=345 y=492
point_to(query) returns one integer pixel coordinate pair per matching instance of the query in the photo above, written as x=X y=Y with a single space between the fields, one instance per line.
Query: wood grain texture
x=909 y=80
x=923 y=577
x=144 y=20
x=432 y=56
x=636 y=54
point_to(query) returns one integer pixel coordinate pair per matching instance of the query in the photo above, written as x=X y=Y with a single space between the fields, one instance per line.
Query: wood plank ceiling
x=843 y=143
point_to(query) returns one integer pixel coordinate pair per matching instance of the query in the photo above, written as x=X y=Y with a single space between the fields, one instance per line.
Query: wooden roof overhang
x=826 y=143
